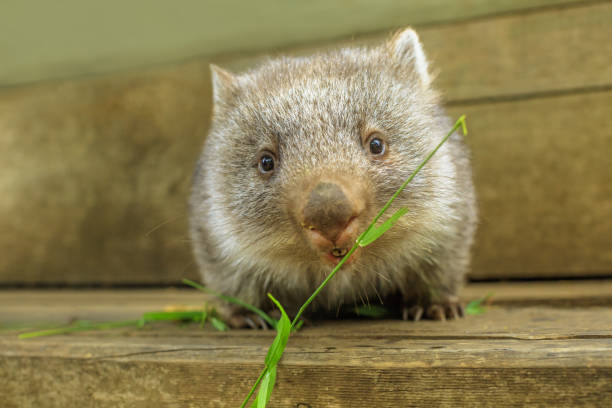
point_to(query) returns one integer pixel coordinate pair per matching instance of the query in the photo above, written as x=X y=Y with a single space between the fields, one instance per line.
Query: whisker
x=367 y=297
x=361 y=298
x=380 y=274
x=376 y=291
x=158 y=226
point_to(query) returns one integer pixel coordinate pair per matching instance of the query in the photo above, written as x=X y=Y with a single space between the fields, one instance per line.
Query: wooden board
x=71 y=38
x=508 y=56
x=542 y=174
x=94 y=177
x=513 y=355
x=539 y=53
x=31 y=307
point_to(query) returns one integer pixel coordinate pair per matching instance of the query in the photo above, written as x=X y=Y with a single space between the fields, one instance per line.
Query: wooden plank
x=507 y=56
x=506 y=357
x=94 y=177
x=523 y=54
x=542 y=175
x=319 y=348
x=60 y=41
x=36 y=381
x=560 y=294
x=33 y=307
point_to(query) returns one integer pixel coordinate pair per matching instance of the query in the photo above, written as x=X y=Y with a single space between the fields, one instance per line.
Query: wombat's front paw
x=451 y=309
x=247 y=320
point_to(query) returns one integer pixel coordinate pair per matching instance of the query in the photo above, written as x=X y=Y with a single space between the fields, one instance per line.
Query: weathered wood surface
x=63 y=306
x=510 y=56
x=542 y=172
x=513 y=56
x=509 y=356
x=94 y=173
x=94 y=176
x=61 y=41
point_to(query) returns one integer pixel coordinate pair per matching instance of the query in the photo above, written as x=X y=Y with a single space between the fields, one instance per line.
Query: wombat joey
x=301 y=155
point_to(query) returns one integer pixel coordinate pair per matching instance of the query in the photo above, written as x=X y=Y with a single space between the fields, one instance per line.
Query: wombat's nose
x=328 y=210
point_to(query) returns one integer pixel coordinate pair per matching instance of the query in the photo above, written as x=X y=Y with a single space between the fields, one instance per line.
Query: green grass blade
x=254 y=387
x=459 y=123
x=204 y=316
x=193 y=316
x=189 y=315
x=218 y=324
x=475 y=307
x=266 y=387
x=322 y=285
x=275 y=352
x=233 y=300
x=80 y=326
x=297 y=327
x=374 y=233
x=367 y=237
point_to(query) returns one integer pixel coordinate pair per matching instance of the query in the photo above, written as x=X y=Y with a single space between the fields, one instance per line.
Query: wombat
x=301 y=155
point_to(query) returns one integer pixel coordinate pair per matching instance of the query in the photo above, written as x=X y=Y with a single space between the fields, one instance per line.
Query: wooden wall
x=94 y=171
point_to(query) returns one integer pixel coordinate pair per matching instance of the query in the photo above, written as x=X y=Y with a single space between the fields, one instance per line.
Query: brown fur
x=313 y=114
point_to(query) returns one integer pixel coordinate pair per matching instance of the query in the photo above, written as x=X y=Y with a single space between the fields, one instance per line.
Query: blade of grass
x=218 y=324
x=459 y=123
x=254 y=387
x=190 y=315
x=367 y=237
x=322 y=285
x=204 y=316
x=275 y=352
x=149 y=317
x=475 y=307
x=266 y=387
x=375 y=233
x=83 y=327
x=233 y=300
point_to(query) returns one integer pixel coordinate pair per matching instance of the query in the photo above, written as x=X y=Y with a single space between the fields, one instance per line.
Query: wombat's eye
x=376 y=144
x=266 y=163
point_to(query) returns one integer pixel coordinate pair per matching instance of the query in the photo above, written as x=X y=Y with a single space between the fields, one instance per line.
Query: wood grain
x=32 y=307
x=505 y=56
x=523 y=54
x=94 y=177
x=508 y=356
x=542 y=173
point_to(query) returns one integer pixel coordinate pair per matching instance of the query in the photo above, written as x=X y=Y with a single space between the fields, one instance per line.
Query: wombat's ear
x=408 y=53
x=223 y=84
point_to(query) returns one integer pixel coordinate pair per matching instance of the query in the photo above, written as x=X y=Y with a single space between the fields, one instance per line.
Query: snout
x=330 y=217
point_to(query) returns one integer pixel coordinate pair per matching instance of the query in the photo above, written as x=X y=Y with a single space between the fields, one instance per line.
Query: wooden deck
x=537 y=344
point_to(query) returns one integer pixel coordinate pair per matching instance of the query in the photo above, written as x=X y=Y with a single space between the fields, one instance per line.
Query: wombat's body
x=302 y=154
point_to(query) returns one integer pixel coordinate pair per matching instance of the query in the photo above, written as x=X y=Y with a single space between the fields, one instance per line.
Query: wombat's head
x=303 y=152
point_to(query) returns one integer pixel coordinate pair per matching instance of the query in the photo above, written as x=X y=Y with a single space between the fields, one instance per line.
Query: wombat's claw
x=250 y=320
x=413 y=313
x=450 y=310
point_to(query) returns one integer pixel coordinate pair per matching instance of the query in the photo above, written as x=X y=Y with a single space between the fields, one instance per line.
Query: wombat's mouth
x=336 y=254
x=339 y=252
